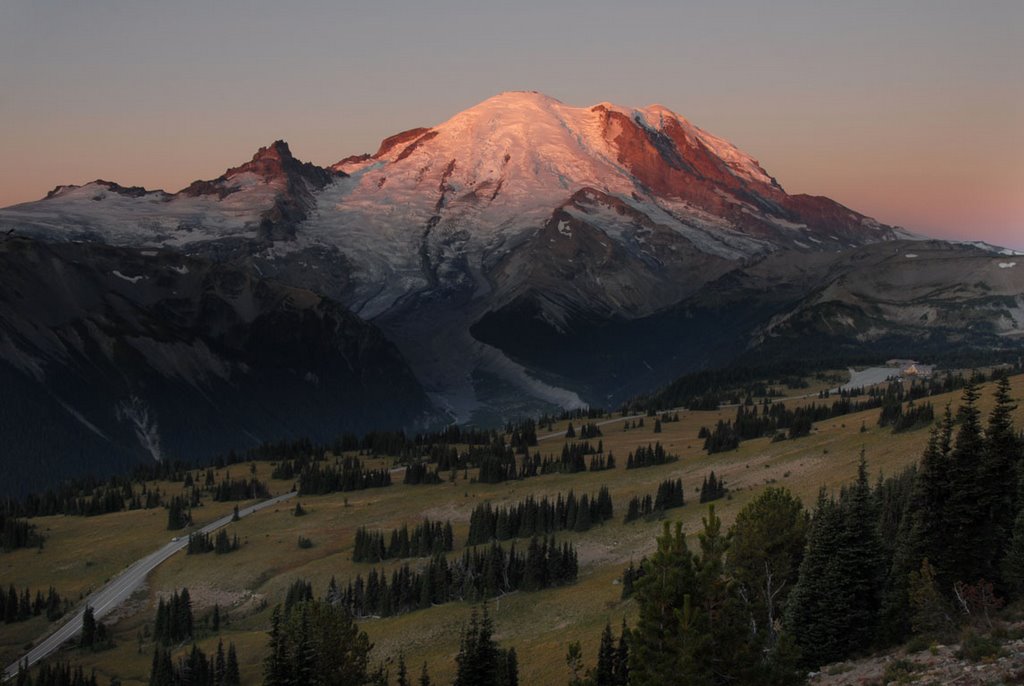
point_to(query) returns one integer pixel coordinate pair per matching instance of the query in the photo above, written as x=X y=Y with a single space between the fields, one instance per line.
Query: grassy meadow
x=81 y=553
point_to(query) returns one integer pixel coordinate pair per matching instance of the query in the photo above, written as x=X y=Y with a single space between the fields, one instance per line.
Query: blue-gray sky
x=910 y=111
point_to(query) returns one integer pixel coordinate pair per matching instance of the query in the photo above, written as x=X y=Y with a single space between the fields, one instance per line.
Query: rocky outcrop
x=296 y=183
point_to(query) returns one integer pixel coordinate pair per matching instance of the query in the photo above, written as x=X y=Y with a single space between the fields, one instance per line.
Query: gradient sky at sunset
x=911 y=112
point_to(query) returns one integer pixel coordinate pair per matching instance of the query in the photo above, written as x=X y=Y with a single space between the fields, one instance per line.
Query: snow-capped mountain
x=500 y=248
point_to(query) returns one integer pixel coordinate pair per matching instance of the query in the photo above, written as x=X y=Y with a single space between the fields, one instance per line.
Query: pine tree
x=859 y=561
x=664 y=599
x=834 y=608
x=509 y=673
x=931 y=613
x=583 y=515
x=621 y=672
x=232 y=675
x=185 y=613
x=720 y=648
x=424 y=676
x=966 y=524
x=604 y=674
x=403 y=673
x=1013 y=561
x=1002 y=457
x=88 y=639
x=815 y=602
x=275 y=665
x=219 y=664
x=766 y=546
x=922 y=532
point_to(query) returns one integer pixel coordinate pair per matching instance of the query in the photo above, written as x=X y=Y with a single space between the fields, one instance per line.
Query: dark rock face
x=402 y=138
x=673 y=164
x=109 y=357
x=274 y=164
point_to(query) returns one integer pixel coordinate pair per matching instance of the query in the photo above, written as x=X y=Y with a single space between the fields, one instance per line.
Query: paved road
x=561 y=434
x=121 y=587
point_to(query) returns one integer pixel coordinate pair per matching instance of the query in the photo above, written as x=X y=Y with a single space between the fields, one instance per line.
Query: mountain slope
x=116 y=356
x=524 y=253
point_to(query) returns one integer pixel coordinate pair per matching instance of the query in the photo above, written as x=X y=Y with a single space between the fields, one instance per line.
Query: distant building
x=912 y=368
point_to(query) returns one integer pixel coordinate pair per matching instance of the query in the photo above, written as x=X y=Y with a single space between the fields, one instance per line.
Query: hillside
x=120 y=357
x=81 y=552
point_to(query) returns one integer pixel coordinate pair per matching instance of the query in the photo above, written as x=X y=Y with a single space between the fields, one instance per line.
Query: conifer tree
x=232 y=675
x=403 y=673
x=88 y=628
x=766 y=546
x=622 y=657
x=478 y=655
x=604 y=674
x=665 y=603
x=1001 y=461
x=966 y=525
x=922 y=532
x=1013 y=561
x=859 y=560
x=815 y=603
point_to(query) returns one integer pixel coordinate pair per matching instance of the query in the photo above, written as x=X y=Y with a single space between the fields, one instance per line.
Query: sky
x=908 y=111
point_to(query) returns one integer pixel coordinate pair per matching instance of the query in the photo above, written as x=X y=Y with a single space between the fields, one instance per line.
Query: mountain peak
x=278 y=150
x=517 y=97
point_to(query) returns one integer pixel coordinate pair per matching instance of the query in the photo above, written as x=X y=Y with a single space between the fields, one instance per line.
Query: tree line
x=345 y=474
x=196 y=668
x=650 y=457
x=58 y=674
x=712 y=488
x=427 y=538
x=17 y=533
x=221 y=544
x=174 y=621
x=479 y=573
x=418 y=473
x=668 y=496
x=15 y=607
x=532 y=517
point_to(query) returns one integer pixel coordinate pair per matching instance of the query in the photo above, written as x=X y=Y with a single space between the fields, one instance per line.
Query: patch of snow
x=135 y=412
x=564 y=228
x=1007 y=265
x=82 y=420
x=910 y=255
x=784 y=223
x=183 y=269
x=129 y=279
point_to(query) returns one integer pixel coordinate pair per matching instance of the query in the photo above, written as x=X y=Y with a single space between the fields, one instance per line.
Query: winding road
x=121 y=587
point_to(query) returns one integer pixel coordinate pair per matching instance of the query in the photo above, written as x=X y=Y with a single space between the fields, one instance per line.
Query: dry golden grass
x=539 y=625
